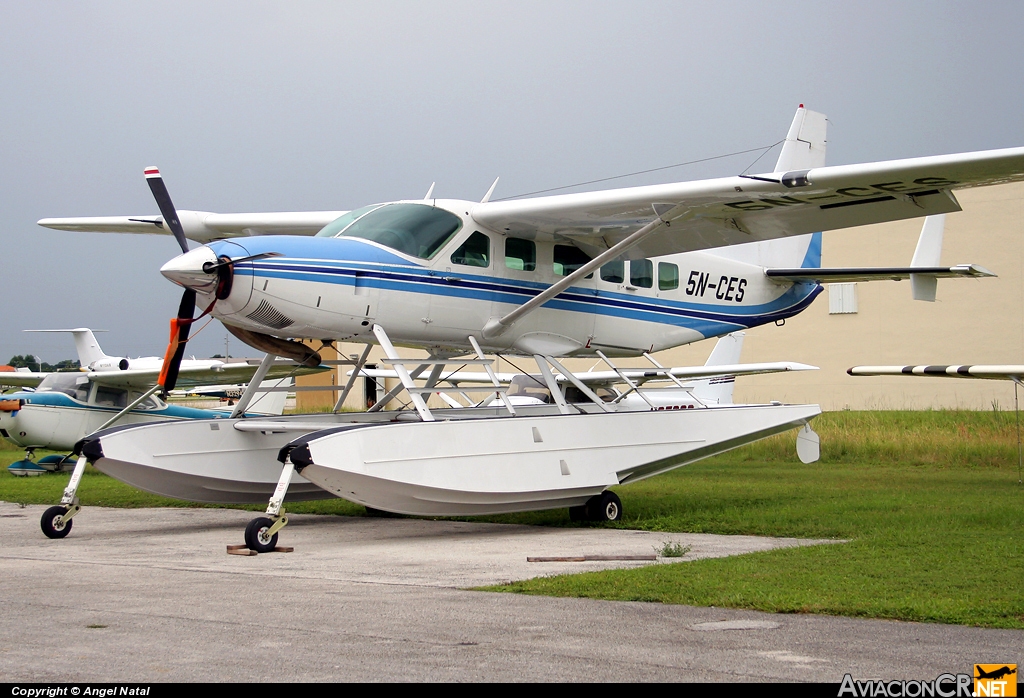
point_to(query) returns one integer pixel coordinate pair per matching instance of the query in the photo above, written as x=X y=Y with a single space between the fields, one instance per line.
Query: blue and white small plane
x=620 y=272
x=624 y=271
x=57 y=409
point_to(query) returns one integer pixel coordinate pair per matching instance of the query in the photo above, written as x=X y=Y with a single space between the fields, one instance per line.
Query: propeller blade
x=209 y=267
x=176 y=345
x=163 y=200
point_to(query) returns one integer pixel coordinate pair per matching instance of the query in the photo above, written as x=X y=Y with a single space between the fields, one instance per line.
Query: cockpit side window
x=474 y=252
x=417 y=230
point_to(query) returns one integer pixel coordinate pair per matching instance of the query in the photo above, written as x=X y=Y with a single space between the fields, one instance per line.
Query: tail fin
x=271 y=403
x=927 y=254
x=85 y=343
x=718 y=390
x=804 y=148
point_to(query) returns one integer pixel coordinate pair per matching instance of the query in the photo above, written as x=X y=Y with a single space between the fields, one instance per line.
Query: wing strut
x=352 y=378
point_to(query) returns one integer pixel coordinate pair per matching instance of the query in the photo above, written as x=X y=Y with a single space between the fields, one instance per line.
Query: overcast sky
x=257 y=106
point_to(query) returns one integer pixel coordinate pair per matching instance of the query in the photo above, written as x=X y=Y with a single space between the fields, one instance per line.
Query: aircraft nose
x=187 y=270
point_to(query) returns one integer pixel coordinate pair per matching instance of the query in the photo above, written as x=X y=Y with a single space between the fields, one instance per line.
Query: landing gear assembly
x=56 y=521
x=261 y=532
x=602 y=507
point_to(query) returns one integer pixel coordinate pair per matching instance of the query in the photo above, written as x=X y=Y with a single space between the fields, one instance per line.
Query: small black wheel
x=53 y=523
x=256 y=537
x=604 y=507
x=578 y=513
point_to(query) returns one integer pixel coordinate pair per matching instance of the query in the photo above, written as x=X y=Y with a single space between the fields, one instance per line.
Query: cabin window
x=568 y=259
x=111 y=397
x=474 y=252
x=613 y=272
x=520 y=254
x=417 y=230
x=641 y=273
x=150 y=403
x=668 y=276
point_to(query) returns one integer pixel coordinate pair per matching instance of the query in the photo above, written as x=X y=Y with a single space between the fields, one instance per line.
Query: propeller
x=223 y=269
x=187 y=308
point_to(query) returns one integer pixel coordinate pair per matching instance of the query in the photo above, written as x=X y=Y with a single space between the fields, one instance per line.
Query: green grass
x=929 y=501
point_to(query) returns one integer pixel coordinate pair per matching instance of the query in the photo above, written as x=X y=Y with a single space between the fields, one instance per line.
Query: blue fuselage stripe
x=411 y=279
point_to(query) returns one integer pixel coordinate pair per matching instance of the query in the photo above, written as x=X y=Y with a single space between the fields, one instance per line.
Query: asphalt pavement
x=151 y=595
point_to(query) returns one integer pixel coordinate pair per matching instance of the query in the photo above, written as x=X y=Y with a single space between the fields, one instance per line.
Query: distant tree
x=29 y=361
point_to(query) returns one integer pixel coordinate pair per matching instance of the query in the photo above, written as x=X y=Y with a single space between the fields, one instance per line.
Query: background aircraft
x=61 y=408
x=93 y=358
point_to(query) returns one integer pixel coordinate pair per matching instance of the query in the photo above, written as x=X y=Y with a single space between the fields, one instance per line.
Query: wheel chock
x=246 y=552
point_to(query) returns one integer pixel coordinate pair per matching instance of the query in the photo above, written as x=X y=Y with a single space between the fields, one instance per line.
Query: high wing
x=1014 y=372
x=203 y=226
x=639 y=375
x=188 y=377
x=747 y=208
x=21 y=379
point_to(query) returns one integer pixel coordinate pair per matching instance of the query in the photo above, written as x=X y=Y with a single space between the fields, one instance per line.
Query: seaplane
x=604 y=274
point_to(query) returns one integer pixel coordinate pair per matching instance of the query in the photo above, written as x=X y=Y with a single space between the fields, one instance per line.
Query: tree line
x=29 y=361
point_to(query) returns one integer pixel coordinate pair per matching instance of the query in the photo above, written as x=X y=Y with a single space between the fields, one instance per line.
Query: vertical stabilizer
x=718 y=390
x=804 y=148
x=88 y=348
x=928 y=254
x=271 y=403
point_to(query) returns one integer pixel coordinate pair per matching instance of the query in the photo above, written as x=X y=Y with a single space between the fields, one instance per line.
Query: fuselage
x=68 y=406
x=436 y=281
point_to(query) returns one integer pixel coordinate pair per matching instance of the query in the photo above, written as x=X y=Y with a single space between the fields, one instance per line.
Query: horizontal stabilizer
x=850 y=274
x=993 y=372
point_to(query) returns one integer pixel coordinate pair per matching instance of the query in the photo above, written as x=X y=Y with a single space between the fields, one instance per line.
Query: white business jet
x=621 y=272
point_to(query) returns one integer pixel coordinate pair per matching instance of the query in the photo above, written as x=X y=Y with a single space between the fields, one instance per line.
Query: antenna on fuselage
x=487 y=196
x=429 y=191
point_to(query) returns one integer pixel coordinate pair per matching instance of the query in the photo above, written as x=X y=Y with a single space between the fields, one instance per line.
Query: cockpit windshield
x=73 y=385
x=341 y=222
x=418 y=230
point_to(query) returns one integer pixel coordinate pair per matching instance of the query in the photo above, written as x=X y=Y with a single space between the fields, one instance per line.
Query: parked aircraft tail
x=271 y=403
x=85 y=343
x=718 y=390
